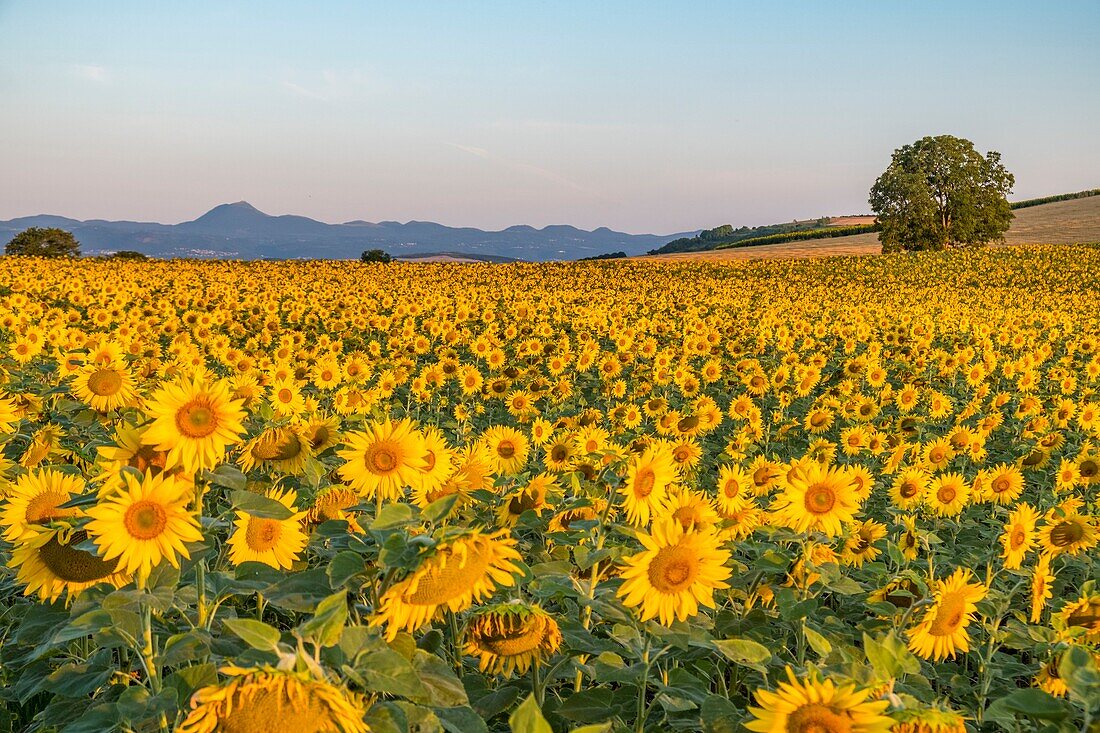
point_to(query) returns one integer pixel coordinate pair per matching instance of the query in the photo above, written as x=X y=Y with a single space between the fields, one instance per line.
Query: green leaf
x=345 y=566
x=1078 y=670
x=439 y=509
x=1030 y=703
x=587 y=706
x=259 y=505
x=595 y=728
x=461 y=720
x=229 y=477
x=817 y=641
x=743 y=651
x=527 y=718
x=392 y=516
x=387 y=671
x=328 y=622
x=256 y=634
x=889 y=656
x=443 y=687
x=719 y=715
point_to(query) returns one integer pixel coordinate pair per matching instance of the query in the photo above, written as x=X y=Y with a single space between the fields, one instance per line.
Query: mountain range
x=241 y=231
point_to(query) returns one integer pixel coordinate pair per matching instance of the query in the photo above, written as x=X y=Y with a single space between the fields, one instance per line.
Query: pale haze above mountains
x=241 y=231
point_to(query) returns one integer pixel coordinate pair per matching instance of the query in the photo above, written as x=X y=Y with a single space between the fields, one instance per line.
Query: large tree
x=41 y=242
x=939 y=193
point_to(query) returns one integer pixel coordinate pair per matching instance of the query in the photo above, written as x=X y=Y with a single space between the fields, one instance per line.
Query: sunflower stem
x=639 y=723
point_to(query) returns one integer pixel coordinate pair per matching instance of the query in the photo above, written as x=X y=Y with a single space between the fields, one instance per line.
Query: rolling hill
x=1059 y=222
x=241 y=231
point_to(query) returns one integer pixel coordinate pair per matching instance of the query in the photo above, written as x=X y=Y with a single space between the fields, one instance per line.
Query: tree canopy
x=375 y=255
x=43 y=242
x=940 y=193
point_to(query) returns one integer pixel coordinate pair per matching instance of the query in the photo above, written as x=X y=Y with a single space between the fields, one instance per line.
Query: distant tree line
x=825 y=233
x=1054 y=199
x=727 y=235
x=605 y=256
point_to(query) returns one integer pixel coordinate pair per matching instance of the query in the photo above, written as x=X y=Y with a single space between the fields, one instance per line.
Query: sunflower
x=765 y=475
x=563 y=520
x=381 y=462
x=676 y=572
x=49 y=564
x=1019 y=535
x=9 y=415
x=928 y=720
x=472 y=473
x=145 y=523
x=439 y=460
x=691 y=509
x=508 y=449
x=560 y=453
x=816 y=498
x=909 y=488
x=532 y=497
x=274 y=542
x=511 y=636
x=863 y=483
x=322 y=432
x=1042 y=582
x=105 y=387
x=458 y=573
x=285 y=449
x=265 y=698
x=332 y=504
x=1005 y=484
x=860 y=545
x=942 y=631
x=947 y=494
x=734 y=490
x=1081 y=614
x=35 y=499
x=1068 y=532
x=194 y=421
x=130 y=451
x=813 y=705
x=1050 y=680
x=648 y=479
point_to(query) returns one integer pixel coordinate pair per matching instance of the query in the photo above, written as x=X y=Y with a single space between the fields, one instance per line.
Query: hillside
x=1061 y=222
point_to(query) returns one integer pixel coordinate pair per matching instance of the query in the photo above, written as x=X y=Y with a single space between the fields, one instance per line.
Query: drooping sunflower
x=817 y=498
x=647 y=482
x=145 y=524
x=194 y=421
x=511 y=637
x=1080 y=614
x=130 y=451
x=508 y=449
x=676 y=573
x=9 y=415
x=813 y=705
x=1042 y=587
x=1019 y=535
x=860 y=545
x=49 y=564
x=472 y=472
x=265 y=699
x=941 y=633
x=563 y=520
x=35 y=499
x=459 y=572
x=274 y=542
x=1068 y=531
x=532 y=497
x=105 y=387
x=331 y=504
x=383 y=461
x=933 y=719
x=285 y=449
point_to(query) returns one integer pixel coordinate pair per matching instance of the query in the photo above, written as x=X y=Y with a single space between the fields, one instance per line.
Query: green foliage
x=940 y=193
x=605 y=256
x=129 y=254
x=727 y=235
x=375 y=255
x=43 y=242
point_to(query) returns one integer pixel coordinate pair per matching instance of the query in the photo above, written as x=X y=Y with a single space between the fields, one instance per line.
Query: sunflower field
x=851 y=495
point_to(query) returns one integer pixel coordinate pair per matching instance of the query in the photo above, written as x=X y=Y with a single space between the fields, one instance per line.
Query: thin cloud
x=333 y=85
x=524 y=167
x=89 y=72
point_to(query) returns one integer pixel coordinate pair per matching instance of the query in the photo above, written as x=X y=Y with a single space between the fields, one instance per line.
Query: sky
x=653 y=117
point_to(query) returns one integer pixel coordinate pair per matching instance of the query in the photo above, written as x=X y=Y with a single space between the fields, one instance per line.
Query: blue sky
x=645 y=117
